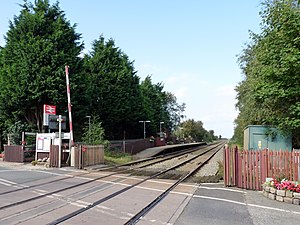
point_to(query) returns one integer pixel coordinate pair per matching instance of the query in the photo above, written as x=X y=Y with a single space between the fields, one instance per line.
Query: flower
x=284 y=185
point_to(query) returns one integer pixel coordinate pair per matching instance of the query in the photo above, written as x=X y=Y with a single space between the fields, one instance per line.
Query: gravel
x=211 y=168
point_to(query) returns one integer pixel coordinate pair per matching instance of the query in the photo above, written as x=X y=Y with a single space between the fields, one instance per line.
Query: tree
x=269 y=94
x=39 y=43
x=194 y=131
x=113 y=89
x=174 y=109
x=153 y=98
x=94 y=133
x=160 y=106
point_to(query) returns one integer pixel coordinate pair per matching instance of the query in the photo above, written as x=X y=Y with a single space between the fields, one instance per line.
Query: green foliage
x=192 y=130
x=220 y=172
x=174 y=109
x=160 y=106
x=269 y=94
x=120 y=100
x=152 y=101
x=116 y=158
x=93 y=133
x=113 y=88
x=39 y=43
x=14 y=131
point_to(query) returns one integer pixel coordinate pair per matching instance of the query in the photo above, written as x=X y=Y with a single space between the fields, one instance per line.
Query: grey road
x=216 y=205
x=188 y=204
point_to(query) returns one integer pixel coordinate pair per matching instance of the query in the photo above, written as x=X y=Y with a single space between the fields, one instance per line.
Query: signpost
x=54 y=124
x=48 y=110
x=59 y=138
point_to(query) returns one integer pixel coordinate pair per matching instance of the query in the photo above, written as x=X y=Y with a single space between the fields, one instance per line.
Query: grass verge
x=116 y=158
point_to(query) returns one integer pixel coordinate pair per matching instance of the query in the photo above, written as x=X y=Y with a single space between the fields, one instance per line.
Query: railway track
x=103 y=188
x=114 y=169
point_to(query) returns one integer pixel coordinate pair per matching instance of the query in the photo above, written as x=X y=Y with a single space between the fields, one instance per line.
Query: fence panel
x=88 y=155
x=13 y=153
x=53 y=155
x=249 y=168
x=93 y=155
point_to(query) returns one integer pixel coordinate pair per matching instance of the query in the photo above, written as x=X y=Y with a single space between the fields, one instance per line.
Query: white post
x=71 y=142
x=160 y=123
x=23 y=140
x=143 y=121
x=69 y=107
x=59 y=138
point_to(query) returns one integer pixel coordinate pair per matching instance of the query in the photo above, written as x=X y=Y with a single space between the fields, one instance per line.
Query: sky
x=191 y=46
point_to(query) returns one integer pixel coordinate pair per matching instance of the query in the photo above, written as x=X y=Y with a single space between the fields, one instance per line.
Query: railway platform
x=150 y=152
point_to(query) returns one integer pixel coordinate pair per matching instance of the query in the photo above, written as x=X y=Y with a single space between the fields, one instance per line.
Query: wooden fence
x=84 y=155
x=17 y=153
x=132 y=146
x=88 y=155
x=249 y=168
x=54 y=156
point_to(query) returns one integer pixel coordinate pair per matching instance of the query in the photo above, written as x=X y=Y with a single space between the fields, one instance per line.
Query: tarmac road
x=212 y=204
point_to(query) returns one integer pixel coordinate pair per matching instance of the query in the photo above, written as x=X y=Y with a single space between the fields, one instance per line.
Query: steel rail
x=36 y=185
x=79 y=211
x=57 y=191
x=164 y=158
x=151 y=205
x=181 y=152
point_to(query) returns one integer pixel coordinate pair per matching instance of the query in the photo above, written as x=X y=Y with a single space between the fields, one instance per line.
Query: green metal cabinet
x=260 y=137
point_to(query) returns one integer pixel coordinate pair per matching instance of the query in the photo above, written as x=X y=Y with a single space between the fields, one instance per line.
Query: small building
x=258 y=137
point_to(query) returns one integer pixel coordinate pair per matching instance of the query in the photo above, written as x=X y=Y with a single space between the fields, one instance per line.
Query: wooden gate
x=249 y=168
x=88 y=155
x=54 y=155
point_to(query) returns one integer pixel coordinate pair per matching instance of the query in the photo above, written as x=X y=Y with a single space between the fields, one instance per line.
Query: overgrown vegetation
x=93 y=134
x=116 y=158
x=40 y=42
x=220 y=172
x=191 y=130
x=269 y=92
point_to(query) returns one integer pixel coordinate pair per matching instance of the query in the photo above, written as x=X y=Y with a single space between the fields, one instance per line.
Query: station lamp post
x=144 y=122
x=160 y=123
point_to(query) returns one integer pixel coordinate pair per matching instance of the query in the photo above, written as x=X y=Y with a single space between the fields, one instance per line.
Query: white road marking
x=40 y=190
x=57 y=195
x=151 y=189
x=4 y=171
x=246 y=204
x=219 y=199
x=107 y=213
x=84 y=202
x=77 y=204
x=104 y=207
x=6 y=184
x=224 y=189
x=10 y=183
x=272 y=208
x=7 y=181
